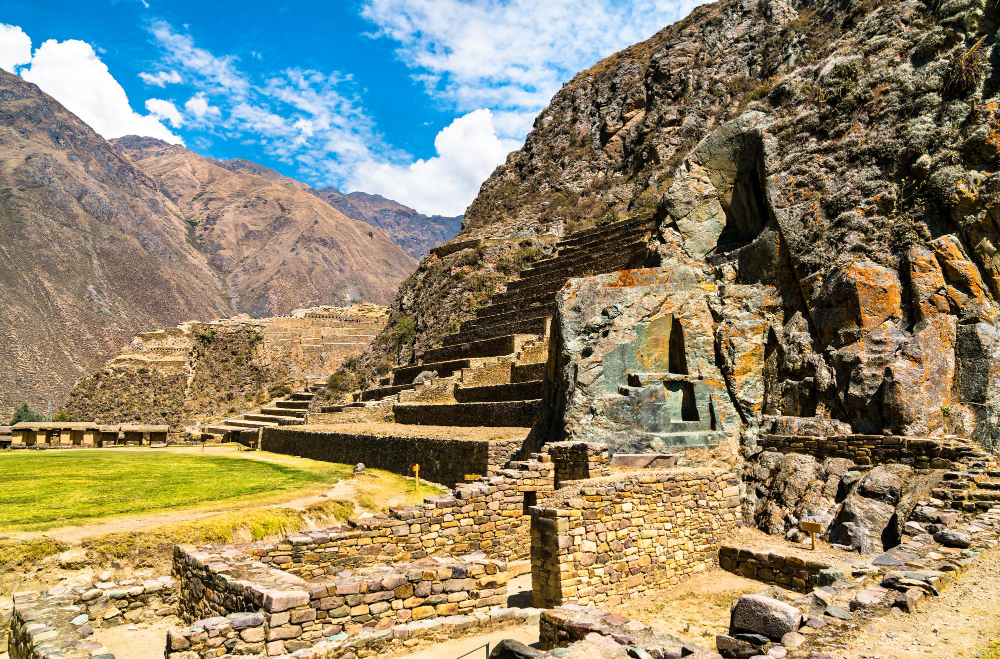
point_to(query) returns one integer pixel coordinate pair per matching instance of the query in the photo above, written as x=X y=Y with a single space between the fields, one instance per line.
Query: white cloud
x=165 y=110
x=512 y=56
x=71 y=72
x=467 y=152
x=219 y=72
x=15 y=47
x=161 y=78
x=199 y=107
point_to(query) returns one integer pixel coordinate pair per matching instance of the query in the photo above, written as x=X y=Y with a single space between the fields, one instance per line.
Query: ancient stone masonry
x=774 y=567
x=201 y=371
x=487 y=516
x=601 y=540
x=288 y=613
x=919 y=452
x=441 y=460
x=578 y=460
x=64 y=619
x=636 y=363
x=205 y=637
x=85 y=435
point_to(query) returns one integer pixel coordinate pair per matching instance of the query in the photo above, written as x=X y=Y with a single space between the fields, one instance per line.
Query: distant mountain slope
x=415 y=232
x=96 y=247
x=91 y=252
x=276 y=245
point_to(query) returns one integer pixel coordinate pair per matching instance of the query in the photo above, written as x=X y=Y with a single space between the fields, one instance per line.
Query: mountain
x=415 y=232
x=93 y=249
x=276 y=245
x=418 y=234
x=837 y=159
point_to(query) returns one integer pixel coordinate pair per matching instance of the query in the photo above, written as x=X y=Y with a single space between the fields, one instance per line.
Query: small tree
x=25 y=413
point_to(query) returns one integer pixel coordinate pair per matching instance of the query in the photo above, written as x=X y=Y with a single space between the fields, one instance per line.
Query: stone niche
x=636 y=363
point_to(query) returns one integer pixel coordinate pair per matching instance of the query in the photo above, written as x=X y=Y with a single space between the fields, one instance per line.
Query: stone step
x=281 y=411
x=513 y=317
x=332 y=409
x=385 y=379
x=496 y=347
x=520 y=413
x=406 y=374
x=515 y=304
x=527 y=372
x=302 y=395
x=535 y=326
x=280 y=420
x=598 y=251
x=621 y=260
x=581 y=236
x=988 y=485
x=378 y=393
x=243 y=423
x=293 y=404
x=222 y=429
x=529 y=390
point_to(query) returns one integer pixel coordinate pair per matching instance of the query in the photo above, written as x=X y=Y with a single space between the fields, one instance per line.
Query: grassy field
x=44 y=489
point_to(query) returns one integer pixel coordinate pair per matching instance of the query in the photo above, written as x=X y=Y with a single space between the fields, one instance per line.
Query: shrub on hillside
x=25 y=413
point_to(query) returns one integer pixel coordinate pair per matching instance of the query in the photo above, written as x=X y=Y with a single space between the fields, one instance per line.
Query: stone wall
x=773 y=567
x=570 y=623
x=444 y=461
x=488 y=515
x=263 y=609
x=624 y=534
x=919 y=452
x=575 y=461
x=51 y=625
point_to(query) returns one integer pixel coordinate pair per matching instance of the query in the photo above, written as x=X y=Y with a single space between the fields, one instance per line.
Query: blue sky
x=417 y=100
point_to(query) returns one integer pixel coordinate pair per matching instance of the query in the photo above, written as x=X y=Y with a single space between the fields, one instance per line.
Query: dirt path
x=75 y=534
x=144 y=641
x=958 y=623
x=527 y=634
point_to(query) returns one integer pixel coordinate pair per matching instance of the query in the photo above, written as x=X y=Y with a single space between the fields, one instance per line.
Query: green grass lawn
x=44 y=489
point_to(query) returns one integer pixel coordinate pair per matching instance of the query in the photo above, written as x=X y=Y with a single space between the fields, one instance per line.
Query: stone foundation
x=261 y=609
x=441 y=460
x=622 y=535
x=575 y=461
x=773 y=567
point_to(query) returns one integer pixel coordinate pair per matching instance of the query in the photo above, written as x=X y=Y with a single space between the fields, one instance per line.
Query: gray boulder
x=951 y=538
x=758 y=614
x=511 y=649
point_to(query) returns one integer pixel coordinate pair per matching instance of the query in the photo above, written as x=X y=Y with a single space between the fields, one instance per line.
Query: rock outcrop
x=825 y=171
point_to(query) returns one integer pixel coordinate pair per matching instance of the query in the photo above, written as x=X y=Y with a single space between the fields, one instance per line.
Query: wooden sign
x=812 y=528
x=471 y=477
x=416 y=477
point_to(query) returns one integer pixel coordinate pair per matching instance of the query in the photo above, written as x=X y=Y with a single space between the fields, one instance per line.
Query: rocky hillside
x=275 y=245
x=94 y=249
x=415 y=232
x=91 y=251
x=837 y=157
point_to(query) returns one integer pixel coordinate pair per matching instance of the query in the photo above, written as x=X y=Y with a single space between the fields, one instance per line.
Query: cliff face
x=835 y=163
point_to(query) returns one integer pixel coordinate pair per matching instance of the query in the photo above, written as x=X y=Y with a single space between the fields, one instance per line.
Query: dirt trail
x=958 y=623
x=75 y=534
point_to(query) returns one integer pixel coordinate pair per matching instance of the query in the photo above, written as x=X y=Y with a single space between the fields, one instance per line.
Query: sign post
x=416 y=477
x=812 y=528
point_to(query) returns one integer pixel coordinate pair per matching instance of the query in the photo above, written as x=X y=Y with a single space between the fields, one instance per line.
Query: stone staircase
x=976 y=488
x=288 y=411
x=496 y=361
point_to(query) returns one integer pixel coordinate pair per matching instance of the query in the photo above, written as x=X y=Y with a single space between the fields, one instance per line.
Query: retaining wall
x=444 y=461
x=919 y=452
x=488 y=515
x=625 y=534
x=772 y=567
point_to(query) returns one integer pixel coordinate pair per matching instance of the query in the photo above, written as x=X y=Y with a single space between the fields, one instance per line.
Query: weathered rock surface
x=763 y=615
x=819 y=154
